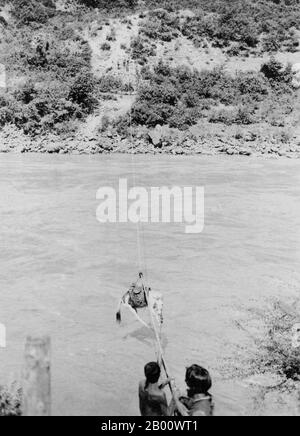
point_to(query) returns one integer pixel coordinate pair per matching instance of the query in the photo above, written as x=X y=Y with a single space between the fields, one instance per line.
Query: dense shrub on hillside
x=110 y=4
x=253 y=84
x=109 y=83
x=245 y=22
x=56 y=60
x=59 y=86
x=38 y=109
x=105 y=46
x=237 y=115
x=161 y=25
x=33 y=11
x=180 y=97
x=10 y=402
x=237 y=27
x=223 y=29
x=276 y=351
x=82 y=90
x=141 y=49
x=277 y=74
x=270 y=43
x=112 y=84
x=58 y=51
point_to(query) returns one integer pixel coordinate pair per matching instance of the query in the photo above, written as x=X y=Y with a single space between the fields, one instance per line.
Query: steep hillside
x=216 y=75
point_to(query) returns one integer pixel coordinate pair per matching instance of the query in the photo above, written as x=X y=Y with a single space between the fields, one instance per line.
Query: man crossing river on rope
x=140 y=296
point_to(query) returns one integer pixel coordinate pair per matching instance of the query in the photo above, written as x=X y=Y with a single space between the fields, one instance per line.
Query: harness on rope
x=137 y=294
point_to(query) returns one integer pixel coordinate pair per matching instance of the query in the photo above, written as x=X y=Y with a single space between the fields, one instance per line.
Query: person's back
x=153 y=400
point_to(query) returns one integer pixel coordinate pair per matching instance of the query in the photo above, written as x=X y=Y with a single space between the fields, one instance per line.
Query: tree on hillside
x=30 y=11
x=275 y=71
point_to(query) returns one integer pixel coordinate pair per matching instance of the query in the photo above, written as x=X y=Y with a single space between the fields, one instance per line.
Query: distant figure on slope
x=138 y=297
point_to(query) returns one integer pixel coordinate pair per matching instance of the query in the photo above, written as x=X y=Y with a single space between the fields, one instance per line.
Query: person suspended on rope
x=140 y=296
x=153 y=399
x=198 y=402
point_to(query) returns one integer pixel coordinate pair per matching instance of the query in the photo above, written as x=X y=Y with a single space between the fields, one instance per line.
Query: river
x=62 y=272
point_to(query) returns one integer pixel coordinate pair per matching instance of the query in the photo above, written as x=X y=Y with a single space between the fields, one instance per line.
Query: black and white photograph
x=149 y=210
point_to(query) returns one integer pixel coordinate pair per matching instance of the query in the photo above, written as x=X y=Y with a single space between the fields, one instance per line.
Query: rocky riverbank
x=156 y=141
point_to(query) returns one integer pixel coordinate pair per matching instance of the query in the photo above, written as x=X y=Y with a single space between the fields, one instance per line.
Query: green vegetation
x=141 y=49
x=162 y=25
x=50 y=80
x=33 y=11
x=277 y=353
x=49 y=63
x=109 y=5
x=237 y=26
x=106 y=46
x=112 y=84
x=10 y=402
x=180 y=97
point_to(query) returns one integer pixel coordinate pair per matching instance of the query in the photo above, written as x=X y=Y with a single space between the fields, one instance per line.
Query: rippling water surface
x=62 y=273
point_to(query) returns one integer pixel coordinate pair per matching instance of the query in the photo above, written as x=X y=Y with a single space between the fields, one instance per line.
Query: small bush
x=105 y=46
x=271 y=43
x=141 y=49
x=276 y=72
x=109 y=83
x=161 y=25
x=278 y=354
x=10 y=402
x=112 y=36
x=82 y=90
x=182 y=117
x=122 y=126
x=252 y=84
x=105 y=123
x=33 y=11
x=237 y=115
x=110 y=5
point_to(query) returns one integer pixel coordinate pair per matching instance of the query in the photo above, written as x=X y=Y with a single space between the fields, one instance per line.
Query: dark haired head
x=152 y=373
x=198 y=380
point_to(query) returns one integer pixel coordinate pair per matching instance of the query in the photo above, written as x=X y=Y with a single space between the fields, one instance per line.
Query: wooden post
x=37 y=378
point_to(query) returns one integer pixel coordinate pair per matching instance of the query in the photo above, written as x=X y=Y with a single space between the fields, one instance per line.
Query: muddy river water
x=62 y=272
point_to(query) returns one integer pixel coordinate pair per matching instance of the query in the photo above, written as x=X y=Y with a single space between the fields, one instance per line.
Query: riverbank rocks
x=52 y=147
x=14 y=139
x=161 y=140
x=158 y=134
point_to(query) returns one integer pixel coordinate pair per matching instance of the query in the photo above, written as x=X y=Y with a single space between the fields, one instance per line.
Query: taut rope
x=141 y=259
x=180 y=407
